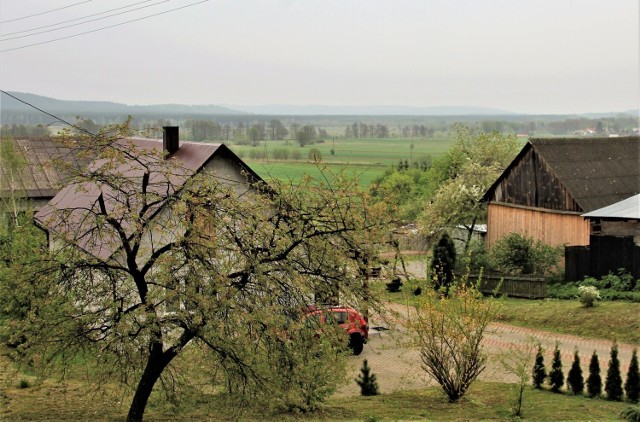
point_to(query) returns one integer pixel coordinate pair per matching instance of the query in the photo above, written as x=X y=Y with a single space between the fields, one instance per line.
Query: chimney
x=170 y=139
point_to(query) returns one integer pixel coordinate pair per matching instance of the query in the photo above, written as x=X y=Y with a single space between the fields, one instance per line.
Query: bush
x=394 y=285
x=631 y=414
x=539 y=371
x=588 y=295
x=443 y=262
x=613 y=383
x=556 y=376
x=632 y=384
x=367 y=381
x=575 y=382
x=594 y=381
x=516 y=254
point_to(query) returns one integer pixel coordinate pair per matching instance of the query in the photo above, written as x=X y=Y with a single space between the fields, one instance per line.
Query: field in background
x=365 y=158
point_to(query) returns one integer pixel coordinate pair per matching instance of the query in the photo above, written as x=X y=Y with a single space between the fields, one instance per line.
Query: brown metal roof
x=40 y=176
x=72 y=212
x=596 y=171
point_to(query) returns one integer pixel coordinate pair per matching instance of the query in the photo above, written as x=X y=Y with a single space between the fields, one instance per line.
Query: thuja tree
x=613 y=382
x=575 y=381
x=443 y=262
x=594 y=380
x=632 y=384
x=158 y=258
x=367 y=381
x=539 y=371
x=556 y=376
x=448 y=331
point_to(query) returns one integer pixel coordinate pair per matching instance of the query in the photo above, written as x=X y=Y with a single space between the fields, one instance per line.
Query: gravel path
x=397 y=363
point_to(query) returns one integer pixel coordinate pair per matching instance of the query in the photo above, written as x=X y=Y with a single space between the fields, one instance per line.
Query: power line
x=47 y=113
x=104 y=27
x=74 y=20
x=82 y=23
x=45 y=12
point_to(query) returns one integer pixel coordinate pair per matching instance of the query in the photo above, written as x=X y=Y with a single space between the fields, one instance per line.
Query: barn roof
x=72 y=212
x=626 y=209
x=595 y=171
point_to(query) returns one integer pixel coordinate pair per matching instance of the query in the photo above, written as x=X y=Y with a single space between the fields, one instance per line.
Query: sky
x=524 y=56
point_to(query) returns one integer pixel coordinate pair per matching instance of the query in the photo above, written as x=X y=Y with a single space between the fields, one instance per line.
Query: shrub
x=367 y=381
x=588 y=295
x=575 y=382
x=594 y=381
x=613 y=383
x=539 y=371
x=394 y=285
x=315 y=156
x=516 y=254
x=631 y=414
x=556 y=376
x=443 y=262
x=632 y=384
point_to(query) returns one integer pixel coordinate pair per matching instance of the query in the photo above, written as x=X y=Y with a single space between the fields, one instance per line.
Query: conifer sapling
x=632 y=384
x=575 y=382
x=367 y=381
x=556 y=376
x=613 y=383
x=539 y=371
x=594 y=381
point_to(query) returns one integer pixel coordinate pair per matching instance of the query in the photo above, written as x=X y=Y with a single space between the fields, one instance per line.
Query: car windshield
x=339 y=317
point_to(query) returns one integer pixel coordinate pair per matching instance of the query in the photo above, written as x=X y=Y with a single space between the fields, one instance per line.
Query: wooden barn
x=552 y=182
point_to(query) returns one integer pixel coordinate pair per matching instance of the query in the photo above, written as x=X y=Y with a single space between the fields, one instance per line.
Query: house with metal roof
x=146 y=173
x=552 y=182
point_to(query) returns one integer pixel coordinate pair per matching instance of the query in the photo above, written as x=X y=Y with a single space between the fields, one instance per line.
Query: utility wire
x=44 y=13
x=47 y=113
x=82 y=23
x=73 y=20
x=104 y=27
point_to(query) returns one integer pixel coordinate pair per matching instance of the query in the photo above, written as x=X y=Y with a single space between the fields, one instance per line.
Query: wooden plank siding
x=551 y=227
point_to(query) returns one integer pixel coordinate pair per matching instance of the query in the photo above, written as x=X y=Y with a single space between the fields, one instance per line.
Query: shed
x=552 y=182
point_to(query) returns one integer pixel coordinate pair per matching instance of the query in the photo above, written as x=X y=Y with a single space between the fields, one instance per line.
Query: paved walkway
x=397 y=363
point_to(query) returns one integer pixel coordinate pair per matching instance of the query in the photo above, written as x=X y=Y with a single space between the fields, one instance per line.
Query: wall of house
x=553 y=228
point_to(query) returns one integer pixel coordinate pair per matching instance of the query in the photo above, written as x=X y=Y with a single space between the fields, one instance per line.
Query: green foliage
x=539 y=371
x=594 y=380
x=448 y=331
x=367 y=381
x=575 y=381
x=556 y=376
x=24 y=383
x=632 y=384
x=394 y=285
x=631 y=414
x=613 y=382
x=443 y=262
x=516 y=254
x=588 y=295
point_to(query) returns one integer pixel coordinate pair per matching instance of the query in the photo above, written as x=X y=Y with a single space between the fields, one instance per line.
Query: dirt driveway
x=397 y=363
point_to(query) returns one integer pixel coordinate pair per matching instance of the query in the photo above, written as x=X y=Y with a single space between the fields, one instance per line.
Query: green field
x=365 y=158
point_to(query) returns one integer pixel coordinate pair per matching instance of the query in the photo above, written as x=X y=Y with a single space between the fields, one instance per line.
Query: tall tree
x=613 y=382
x=632 y=384
x=594 y=380
x=152 y=266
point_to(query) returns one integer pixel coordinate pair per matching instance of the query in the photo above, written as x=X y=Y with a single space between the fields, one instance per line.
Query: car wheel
x=356 y=343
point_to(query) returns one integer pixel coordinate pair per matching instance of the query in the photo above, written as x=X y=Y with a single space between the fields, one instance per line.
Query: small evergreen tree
x=575 y=382
x=443 y=262
x=613 y=383
x=556 y=376
x=539 y=371
x=367 y=381
x=594 y=381
x=632 y=384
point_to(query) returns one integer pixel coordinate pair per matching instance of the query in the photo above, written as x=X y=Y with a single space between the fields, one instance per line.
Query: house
x=552 y=182
x=73 y=214
x=36 y=175
x=614 y=242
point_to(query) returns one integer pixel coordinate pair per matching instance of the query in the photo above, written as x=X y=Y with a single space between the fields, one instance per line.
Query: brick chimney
x=170 y=139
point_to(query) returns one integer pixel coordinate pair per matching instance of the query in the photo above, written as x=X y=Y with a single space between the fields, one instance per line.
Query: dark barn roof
x=595 y=172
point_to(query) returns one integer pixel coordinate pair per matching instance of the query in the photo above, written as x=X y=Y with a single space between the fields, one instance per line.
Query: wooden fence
x=604 y=255
x=526 y=287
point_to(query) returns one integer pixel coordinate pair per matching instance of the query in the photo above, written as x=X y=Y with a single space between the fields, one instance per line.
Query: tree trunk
x=156 y=363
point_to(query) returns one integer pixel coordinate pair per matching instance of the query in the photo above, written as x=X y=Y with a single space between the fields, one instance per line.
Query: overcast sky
x=528 y=56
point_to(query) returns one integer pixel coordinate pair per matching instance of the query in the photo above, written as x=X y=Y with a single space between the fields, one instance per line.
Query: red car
x=349 y=319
